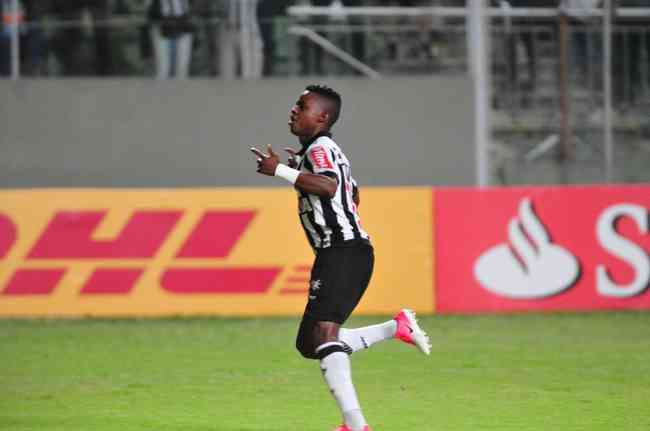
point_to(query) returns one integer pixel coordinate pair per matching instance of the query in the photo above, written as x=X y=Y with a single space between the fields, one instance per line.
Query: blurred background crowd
x=206 y=38
x=181 y=38
x=538 y=60
x=122 y=37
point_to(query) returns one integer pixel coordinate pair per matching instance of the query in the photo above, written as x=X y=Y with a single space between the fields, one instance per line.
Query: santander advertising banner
x=542 y=248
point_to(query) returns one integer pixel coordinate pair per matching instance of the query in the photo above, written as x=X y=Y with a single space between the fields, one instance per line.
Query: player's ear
x=324 y=116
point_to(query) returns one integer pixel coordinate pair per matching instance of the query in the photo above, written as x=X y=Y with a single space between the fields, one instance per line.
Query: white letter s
x=623 y=248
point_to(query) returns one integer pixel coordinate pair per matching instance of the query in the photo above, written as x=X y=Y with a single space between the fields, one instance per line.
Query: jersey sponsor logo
x=320 y=158
x=552 y=248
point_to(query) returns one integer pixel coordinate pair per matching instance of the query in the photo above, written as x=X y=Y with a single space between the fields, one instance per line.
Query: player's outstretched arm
x=269 y=164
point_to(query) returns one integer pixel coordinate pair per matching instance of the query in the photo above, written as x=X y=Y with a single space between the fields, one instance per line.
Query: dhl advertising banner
x=542 y=248
x=117 y=252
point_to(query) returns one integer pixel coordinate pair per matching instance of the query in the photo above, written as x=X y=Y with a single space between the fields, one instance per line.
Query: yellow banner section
x=225 y=251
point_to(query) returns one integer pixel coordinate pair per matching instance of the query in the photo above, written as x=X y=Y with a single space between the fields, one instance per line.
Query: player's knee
x=306 y=349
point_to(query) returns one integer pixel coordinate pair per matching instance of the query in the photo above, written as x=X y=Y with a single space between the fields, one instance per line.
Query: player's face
x=306 y=116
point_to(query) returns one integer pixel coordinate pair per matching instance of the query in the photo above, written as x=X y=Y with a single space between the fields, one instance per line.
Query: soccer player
x=328 y=209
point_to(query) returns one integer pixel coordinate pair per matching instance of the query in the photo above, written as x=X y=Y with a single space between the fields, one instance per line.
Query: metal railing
x=332 y=49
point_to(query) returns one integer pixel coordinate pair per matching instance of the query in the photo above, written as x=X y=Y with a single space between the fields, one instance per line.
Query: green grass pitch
x=535 y=372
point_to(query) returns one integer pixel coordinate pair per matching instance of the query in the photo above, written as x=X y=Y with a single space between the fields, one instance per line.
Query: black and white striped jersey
x=329 y=221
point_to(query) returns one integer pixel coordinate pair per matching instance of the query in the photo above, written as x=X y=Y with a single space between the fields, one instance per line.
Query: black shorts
x=339 y=278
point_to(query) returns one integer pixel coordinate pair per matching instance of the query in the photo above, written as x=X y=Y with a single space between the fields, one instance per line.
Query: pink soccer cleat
x=345 y=428
x=410 y=332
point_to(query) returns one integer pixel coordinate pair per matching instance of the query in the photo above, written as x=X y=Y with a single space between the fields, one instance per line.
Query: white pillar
x=478 y=41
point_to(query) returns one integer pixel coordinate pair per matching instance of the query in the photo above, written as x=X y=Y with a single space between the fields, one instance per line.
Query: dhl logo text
x=70 y=240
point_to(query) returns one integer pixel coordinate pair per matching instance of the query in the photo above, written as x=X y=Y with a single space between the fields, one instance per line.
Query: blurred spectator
x=69 y=40
x=586 y=42
x=214 y=15
x=268 y=12
x=172 y=35
x=9 y=18
x=34 y=46
x=30 y=36
x=358 y=42
x=240 y=41
x=311 y=55
x=630 y=39
x=358 y=47
x=526 y=30
x=423 y=44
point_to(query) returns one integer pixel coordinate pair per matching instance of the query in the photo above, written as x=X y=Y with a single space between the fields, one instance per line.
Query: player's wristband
x=289 y=174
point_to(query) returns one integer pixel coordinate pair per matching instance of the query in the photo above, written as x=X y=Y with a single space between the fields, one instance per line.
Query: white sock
x=338 y=376
x=362 y=338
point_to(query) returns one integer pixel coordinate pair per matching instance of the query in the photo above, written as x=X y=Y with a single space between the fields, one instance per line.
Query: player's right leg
x=335 y=366
x=403 y=326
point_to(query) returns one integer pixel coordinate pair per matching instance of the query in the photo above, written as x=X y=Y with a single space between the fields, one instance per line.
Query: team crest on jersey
x=314 y=287
x=320 y=158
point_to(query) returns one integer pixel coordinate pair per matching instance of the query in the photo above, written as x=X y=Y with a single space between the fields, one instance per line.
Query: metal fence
x=549 y=104
x=566 y=90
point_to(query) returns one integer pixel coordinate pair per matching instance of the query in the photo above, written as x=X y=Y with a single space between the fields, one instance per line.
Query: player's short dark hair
x=331 y=95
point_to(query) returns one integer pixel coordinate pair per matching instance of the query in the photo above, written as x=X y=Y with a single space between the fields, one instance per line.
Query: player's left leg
x=403 y=326
x=362 y=338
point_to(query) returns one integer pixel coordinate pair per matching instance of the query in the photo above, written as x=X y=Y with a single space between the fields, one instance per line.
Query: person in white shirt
x=172 y=36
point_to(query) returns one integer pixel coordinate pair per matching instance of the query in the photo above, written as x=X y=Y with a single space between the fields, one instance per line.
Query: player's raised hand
x=272 y=153
x=266 y=163
x=293 y=158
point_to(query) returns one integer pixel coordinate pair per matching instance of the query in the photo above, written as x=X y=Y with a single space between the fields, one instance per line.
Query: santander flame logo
x=529 y=266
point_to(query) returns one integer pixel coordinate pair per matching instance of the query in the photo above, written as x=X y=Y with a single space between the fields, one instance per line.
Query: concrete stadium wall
x=146 y=133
